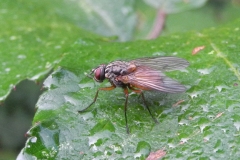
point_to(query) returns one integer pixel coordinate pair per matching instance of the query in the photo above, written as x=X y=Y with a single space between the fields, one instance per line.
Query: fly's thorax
x=116 y=68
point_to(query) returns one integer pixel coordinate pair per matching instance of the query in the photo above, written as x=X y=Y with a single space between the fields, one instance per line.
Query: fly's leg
x=95 y=98
x=125 y=90
x=144 y=101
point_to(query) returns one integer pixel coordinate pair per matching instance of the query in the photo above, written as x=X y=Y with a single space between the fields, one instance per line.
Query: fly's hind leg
x=144 y=101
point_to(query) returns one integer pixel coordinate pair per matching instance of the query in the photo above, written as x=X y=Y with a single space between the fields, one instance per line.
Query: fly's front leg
x=95 y=98
x=125 y=90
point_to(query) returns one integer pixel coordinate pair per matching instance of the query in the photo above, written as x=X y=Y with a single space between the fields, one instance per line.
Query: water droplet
x=205 y=108
x=171 y=145
x=233 y=107
x=185 y=107
x=206 y=71
x=184 y=140
x=158 y=54
x=237 y=125
x=116 y=148
x=92 y=140
x=202 y=127
x=72 y=100
x=65 y=146
x=21 y=56
x=12 y=38
x=38 y=39
x=183 y=122
x=195 y=94
x=58 y=47
x=232 y=46
x=224 y=130
x=197 y=151
x=34 y=139
x=7 y=69
x=94 y=148
x=85 y=42
x=206 y=138
x=224 y=41
x=48 y=65
x=126 y=10
x=87 y=85
x=219 y=88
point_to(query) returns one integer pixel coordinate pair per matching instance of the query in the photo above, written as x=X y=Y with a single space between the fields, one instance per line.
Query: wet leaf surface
x=204 y=125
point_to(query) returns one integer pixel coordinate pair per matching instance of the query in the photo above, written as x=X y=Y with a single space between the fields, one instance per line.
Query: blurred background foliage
x=25 y=28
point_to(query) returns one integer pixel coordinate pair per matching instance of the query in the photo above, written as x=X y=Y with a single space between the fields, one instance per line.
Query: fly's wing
x=162 y=63
x=147 y=79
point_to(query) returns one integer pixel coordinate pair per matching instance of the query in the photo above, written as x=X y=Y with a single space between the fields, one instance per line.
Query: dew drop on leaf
x=34 y=139
x=237 y=125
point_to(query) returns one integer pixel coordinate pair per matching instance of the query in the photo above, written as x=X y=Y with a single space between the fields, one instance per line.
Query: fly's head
x=99 y=73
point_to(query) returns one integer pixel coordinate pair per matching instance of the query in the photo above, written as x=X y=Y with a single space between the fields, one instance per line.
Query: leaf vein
x=221 y=55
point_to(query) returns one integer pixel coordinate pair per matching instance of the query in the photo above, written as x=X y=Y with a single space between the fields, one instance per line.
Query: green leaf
x=36 y=34
x=202 y=123
x=32 y=40
x=105 y=17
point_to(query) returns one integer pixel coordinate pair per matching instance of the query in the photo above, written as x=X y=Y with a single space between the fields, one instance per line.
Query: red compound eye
x=99 y=73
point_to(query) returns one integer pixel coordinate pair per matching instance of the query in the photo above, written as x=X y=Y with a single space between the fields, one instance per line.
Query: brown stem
x=158 y=24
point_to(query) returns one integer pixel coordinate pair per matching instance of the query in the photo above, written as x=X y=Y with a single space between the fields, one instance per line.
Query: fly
x=143 y=74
